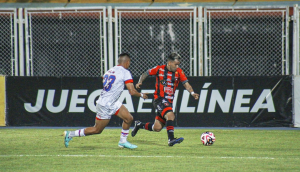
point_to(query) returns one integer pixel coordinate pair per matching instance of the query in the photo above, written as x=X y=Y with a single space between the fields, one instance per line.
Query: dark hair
x=173 y=56
x=124 y=54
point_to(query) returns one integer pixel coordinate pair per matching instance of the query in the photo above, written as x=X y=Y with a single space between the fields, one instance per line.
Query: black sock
x=170 y=129
x=148 y=126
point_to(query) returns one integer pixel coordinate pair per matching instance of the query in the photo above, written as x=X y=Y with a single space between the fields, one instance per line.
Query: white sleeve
x=127 y=76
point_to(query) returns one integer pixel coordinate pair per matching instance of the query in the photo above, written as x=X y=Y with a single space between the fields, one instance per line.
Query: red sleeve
x=129 y=81
x=153 y=71
x=182 y=76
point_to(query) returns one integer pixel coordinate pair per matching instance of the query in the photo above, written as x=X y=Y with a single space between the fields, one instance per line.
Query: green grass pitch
x=234 y=150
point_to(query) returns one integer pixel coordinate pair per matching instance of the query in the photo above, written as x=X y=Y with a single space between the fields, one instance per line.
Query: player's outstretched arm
x=134 y=92
x=189 y=88
x=142 y=78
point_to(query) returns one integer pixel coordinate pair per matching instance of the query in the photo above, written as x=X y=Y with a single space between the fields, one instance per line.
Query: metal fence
x=296 y=39
x=239 y=41
x=66 y=42
x=151 y=34
x=246 y=41
x=8 y=42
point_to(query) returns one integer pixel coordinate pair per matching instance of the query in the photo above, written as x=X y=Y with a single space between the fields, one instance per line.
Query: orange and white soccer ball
x=208 y=138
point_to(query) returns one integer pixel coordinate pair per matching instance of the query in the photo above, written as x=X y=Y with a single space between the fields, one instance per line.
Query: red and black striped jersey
x=166 y=81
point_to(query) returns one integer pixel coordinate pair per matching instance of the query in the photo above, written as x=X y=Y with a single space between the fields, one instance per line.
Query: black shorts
x=163 y=106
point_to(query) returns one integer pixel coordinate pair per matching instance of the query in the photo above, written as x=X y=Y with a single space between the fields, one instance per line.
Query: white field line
x=135 y=156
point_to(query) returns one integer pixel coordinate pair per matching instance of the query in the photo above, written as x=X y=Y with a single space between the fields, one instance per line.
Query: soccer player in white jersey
x=107 y=104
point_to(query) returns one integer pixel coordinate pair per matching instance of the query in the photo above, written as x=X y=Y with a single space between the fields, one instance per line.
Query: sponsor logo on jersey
x=163 y=82
x=169 y=90
x=162 y=69
x=169 y=97
x=170 y=83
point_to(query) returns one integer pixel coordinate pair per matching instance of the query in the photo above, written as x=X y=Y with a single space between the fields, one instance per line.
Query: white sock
x=77 y=133
x=124 y=135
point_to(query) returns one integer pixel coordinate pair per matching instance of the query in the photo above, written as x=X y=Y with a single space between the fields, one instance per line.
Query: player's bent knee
x=157 y=129
x=130 y=118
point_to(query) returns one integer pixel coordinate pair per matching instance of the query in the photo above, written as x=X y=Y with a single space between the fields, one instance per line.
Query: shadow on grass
x=148 y=142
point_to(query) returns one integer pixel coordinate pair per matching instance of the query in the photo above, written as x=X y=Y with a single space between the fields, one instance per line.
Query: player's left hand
x=138 y=85
x=196 y=96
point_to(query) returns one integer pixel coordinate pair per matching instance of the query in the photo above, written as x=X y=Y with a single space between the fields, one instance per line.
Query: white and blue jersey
x=114 y=81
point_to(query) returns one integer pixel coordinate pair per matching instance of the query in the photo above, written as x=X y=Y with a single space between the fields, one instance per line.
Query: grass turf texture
x=234 y=150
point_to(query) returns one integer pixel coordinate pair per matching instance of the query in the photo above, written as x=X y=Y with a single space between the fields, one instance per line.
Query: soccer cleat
x=175 y=141
x=127 y=145
x=67 y=138
x=135 y=128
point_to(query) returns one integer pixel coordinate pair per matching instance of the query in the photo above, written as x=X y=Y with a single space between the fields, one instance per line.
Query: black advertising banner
x=238 y=102
x=223 y=102
x=51 y=101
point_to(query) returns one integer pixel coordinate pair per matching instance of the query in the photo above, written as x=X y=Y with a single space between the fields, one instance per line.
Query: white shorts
x=106 y=111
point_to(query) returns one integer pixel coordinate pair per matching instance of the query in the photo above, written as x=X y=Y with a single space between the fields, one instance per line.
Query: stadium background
x=59 y=44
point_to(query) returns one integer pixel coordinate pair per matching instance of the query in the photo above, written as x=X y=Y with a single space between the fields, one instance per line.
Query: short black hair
x=124 y=54
x=173 y=56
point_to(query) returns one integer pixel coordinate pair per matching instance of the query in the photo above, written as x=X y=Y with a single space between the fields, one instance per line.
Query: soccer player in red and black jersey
x=167 y=79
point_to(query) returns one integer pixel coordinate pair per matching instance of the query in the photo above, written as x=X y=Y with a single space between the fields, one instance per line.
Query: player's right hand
x=138 y=85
